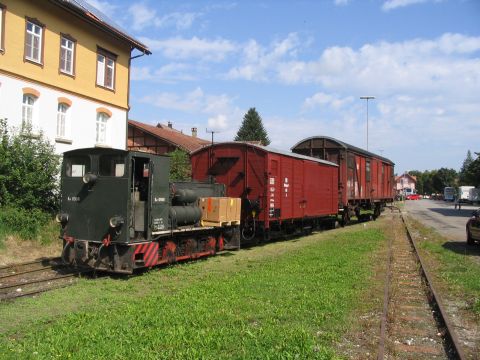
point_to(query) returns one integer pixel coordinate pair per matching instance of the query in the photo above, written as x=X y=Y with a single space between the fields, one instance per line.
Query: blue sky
x=304 y=64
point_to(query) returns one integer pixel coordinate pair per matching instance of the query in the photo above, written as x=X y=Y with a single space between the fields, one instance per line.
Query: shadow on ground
x=453 y=212
x=461 y=247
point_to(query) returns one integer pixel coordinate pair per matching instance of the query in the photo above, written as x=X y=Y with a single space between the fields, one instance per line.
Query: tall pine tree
x=252 y=128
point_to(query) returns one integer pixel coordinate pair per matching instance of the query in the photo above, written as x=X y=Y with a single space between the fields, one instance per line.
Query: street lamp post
x=367 y=98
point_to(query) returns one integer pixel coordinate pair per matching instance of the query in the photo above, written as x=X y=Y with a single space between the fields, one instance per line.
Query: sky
x=304 y=66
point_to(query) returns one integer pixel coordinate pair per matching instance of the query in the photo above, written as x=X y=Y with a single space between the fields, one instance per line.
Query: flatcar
x=119 y=212
x=365 y=180
x=281 y=192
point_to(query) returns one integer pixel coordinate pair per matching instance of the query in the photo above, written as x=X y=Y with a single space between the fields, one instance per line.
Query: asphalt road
x=441 y=216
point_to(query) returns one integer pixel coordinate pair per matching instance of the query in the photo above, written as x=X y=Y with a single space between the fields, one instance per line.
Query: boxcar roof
x=267 y=149
x=346 y=147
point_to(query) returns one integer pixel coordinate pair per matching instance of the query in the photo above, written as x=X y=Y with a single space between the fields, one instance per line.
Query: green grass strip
x=288 y=300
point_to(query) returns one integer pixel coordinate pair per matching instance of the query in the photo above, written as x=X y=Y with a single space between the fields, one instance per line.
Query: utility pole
x=367 y=98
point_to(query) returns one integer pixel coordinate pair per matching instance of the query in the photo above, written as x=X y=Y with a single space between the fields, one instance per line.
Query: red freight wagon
x=281 y=192
x=366 y=180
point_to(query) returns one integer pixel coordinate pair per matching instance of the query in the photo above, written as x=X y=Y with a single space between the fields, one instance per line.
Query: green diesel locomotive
x=119 y=212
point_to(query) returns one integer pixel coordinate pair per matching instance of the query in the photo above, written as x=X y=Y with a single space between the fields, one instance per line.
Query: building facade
x=406 y=184
x=64 y=71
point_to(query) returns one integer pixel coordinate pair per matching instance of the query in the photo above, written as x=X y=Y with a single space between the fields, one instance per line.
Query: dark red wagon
x=366 y=180
x=281 y=192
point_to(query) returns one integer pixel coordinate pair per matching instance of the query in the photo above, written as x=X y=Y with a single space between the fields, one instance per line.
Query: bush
x=180 y=168
x=29 y=171
x=27 y=224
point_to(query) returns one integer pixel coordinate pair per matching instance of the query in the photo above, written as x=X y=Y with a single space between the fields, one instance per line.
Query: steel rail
x=32 y=270
x=37 y=291
x=37 y=281
x=436 y=300
x=33 y=292
x=30 y=262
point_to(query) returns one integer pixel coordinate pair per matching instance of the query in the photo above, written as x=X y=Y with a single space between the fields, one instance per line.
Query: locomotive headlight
x=116 y=221
x=89 y=178
x=62 y=218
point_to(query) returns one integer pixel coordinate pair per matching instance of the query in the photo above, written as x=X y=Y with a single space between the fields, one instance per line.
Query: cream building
x=64 y=71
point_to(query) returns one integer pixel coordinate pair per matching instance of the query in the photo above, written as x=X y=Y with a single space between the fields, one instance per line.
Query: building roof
x=270 y=150
x=345 y=146
x=91 y=14
x=414 y=178
x=171 y=136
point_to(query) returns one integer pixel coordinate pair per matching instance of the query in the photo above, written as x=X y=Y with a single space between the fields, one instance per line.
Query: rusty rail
x=436 y=301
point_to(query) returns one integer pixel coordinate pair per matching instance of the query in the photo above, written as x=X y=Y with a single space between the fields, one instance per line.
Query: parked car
x=413 y=197
x=473 y=228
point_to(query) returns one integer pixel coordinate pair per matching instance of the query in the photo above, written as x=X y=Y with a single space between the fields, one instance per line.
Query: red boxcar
x=281 y=191
x=366 y=180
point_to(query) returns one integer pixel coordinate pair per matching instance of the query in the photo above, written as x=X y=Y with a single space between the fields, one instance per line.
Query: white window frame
x=36 y=33
x=29 y=111
x=101 y=128
x=63 y=123
x=106 y=66
x=67 y=55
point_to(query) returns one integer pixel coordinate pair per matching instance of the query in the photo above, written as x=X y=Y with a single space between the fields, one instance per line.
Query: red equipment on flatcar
x=366 y=180
x=281 y=192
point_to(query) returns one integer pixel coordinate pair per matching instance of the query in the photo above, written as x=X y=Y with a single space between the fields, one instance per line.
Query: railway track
x=414 y=323
x=31 y=278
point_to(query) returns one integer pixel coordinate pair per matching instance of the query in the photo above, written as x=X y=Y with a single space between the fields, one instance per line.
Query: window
x=77 y=166
x=367 y=170
x=112 y=165
x=2 y=27
x=67 y=54
x=101 y=128
x=34 y=41
x=62 y=120
x=106 y=69
x=28 y=111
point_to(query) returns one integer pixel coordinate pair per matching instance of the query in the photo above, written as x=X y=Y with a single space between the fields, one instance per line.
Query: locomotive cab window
x=77 y=166
x=112 y=165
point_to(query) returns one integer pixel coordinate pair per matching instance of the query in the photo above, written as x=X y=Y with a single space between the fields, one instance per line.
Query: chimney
x=170 y=125
x=159 y=125
x=194 y=132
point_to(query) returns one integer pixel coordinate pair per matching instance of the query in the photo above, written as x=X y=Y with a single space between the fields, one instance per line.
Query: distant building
x=64 y=71
x=405 y=184
x=161 y=139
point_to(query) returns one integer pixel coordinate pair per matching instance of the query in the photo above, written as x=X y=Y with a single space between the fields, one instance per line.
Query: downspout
x=128 y=93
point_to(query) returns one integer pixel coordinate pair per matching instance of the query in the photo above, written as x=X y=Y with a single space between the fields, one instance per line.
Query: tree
x=29 y=171
x=180 y=167
x=464 y=176
x=442 y=178
x=252 y=128
x=472 y=173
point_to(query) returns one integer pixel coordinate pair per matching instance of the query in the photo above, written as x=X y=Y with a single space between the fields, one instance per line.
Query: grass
x=457 y=270
x=285 y=300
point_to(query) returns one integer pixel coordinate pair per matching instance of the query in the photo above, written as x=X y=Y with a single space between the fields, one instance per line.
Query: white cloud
x=257 y=60
x=446 y=63
x=179 y=48
x=167 y=74
x=395 y=4
x=141 y=15
x=218 y=110
x=322 y=99
x=341 y=2
x=104 y=6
